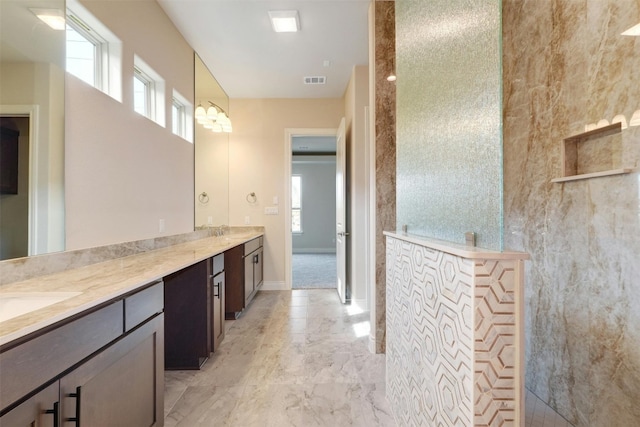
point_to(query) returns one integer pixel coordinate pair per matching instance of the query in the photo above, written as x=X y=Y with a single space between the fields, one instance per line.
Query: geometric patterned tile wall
x=450 y=338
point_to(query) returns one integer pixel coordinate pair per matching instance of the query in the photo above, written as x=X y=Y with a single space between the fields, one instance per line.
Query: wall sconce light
x=214 y=118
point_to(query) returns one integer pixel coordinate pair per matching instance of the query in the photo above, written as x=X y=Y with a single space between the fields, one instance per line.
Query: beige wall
x=356 y=100
x=256 y=164
x=124 y=172
x=36 y=88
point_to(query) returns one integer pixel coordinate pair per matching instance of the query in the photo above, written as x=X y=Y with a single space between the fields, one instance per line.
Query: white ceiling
x=235 y=40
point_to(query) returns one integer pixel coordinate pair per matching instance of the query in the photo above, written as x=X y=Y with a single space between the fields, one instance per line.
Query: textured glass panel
x=449 y=116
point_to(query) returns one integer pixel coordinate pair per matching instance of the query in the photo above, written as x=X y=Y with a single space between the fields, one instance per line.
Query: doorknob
x=343 y=233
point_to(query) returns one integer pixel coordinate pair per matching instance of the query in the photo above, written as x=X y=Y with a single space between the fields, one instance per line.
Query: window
x=148 y=92
x=296 y=204
x=93 y=53
x=142 y=93
x=182 y=117
x=84 y=52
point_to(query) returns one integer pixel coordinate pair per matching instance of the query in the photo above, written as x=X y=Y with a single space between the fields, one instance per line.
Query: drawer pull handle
x=217 y=285
x=77 y=396
x=53 y=412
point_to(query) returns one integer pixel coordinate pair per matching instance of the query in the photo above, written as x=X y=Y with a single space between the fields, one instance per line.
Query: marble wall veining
x=449 y=139
x=565 y=66
x=384 y=93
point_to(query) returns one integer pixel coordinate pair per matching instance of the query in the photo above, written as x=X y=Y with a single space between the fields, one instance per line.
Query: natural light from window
x=296 y=204
x=81 y=56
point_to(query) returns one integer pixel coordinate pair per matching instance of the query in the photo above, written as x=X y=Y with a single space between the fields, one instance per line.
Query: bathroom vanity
x=95 y=355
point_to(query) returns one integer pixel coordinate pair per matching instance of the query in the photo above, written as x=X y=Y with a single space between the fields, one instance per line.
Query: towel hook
x=203 y=197
x=251 y=197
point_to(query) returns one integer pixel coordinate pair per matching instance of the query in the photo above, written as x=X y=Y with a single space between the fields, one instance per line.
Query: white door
x=341 y=212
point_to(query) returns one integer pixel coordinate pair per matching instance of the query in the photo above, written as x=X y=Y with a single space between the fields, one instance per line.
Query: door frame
x=30 y=111
x=289 y=134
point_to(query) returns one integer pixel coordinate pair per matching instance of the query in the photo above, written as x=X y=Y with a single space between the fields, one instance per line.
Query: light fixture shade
x=620 y=118
x=635 y=119
x=217 y=128
x=200 y=112
x=285 y=21
x=212 y=113
x=602 y=123
x=633 y=31
x=208 y=124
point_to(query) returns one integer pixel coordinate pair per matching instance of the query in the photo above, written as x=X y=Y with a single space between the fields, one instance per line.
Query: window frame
x=293 y=204
x=100 y=49
x=149 y=93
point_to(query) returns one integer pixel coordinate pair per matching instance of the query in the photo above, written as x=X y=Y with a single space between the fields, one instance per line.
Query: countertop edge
x=53 y=315
x=462 y=251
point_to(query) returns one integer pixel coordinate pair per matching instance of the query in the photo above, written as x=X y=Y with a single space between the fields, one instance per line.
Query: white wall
x=124 y=172
x=318 y=176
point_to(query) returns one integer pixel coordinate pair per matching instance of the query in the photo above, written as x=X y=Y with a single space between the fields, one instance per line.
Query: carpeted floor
x=314 y=271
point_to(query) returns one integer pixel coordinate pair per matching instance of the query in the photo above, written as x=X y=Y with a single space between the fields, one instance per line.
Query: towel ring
x=203 y=197
x=251 y=197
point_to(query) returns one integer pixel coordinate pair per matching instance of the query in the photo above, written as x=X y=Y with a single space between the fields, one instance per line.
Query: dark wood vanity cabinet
x=187 y=318
x=218 y=285
x=234 y=281
x=244 y=272
x=103 y=367
x=41 y=410
x=194 y=313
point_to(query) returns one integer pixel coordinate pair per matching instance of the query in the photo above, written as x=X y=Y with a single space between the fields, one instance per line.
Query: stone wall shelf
x=592 y=175
x=576 y=159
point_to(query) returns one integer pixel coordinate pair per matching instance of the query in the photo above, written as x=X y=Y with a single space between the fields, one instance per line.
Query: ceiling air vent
x=315 y=80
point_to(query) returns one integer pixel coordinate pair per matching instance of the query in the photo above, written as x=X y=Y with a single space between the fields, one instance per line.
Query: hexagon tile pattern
x=451 y=332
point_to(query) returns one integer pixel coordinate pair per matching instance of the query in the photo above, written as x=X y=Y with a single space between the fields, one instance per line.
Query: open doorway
x=313 y=207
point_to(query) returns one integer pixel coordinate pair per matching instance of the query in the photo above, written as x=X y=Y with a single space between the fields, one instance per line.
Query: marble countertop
x=104 y=281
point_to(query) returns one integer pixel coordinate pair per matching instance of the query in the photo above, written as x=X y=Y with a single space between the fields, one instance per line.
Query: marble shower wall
x=565 y=65
x=385 y=141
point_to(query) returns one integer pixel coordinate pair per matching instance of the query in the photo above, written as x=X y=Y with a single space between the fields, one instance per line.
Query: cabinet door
x=258 y=269
x=234 y=281
x=121 y=386
x=39 y=411
x=187 y=296
x=248 y=278
x=218 y=304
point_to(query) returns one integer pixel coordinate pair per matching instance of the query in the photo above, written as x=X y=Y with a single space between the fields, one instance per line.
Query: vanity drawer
x=252 y=245
x=143 y=305
x=218 y=264
x=35 y=362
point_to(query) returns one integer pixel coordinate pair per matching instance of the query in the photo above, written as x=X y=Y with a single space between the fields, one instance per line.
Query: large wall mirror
x=211 y=154
x=32 y=57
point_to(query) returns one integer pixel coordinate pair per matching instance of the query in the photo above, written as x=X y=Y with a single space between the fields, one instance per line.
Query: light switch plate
x=271 y=210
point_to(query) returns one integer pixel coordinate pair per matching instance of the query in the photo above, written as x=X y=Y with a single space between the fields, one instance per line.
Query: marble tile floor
x=296 y=358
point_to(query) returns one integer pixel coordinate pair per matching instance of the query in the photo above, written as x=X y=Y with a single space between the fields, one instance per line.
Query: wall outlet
x=161 y=226
x=275 y=200
x=247 y=220
x=210 y=220
x=271 y=210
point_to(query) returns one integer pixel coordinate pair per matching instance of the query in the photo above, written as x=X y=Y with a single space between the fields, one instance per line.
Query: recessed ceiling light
x=285 y=21
x=52 y=17
x=633 y=31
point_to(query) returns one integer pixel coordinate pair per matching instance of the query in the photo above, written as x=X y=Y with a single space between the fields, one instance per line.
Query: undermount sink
x=18 y=303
